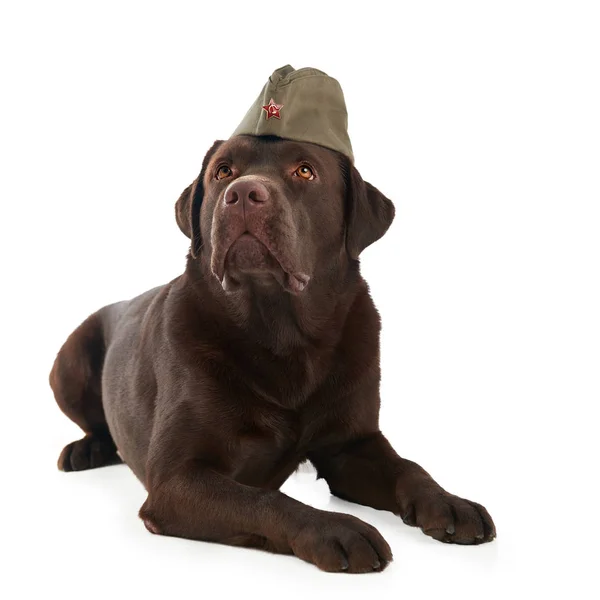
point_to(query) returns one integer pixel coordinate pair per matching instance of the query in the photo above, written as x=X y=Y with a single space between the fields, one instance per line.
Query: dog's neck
x=277 y=320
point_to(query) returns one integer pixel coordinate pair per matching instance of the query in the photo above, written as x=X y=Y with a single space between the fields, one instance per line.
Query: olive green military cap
x=305 y=105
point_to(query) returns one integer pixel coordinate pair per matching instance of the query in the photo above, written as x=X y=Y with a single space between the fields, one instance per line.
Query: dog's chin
x=248 y=261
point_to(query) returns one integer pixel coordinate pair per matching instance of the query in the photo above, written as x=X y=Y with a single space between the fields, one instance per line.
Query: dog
x=263 y=354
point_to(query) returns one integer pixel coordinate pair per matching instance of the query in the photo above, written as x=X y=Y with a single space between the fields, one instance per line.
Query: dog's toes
x=451 y=519
x=89 y=452
x=341 y=543
x=64 y=460
x=489 y=529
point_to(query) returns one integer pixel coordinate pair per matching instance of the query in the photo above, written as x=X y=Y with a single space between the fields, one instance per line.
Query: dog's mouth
x=248 y=257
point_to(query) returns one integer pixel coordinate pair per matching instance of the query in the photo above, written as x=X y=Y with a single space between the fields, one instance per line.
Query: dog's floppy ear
x=368 y=212
x=187 y=208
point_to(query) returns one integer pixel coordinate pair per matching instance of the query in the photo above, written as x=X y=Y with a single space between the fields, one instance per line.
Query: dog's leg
x=201 y=504
x=76 y=382
x=368 y=471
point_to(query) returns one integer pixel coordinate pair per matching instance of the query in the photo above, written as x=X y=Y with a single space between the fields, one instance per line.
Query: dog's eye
x=223 y=171
x=305 y=172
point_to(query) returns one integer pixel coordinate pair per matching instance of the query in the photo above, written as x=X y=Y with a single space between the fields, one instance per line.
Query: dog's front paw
x=448 y=518
x=341 y=543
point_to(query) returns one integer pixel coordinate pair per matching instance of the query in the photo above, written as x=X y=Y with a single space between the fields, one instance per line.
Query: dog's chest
x=284 y=381
x=269 y=447
x=276 y=419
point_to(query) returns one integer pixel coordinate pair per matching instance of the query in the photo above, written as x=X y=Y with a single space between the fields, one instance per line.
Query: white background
x=479 y=119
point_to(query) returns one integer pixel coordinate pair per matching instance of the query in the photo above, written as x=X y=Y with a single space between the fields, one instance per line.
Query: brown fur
x=263 y=354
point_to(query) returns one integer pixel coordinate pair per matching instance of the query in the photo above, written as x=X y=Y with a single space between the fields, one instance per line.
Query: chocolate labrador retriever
x=263 y=354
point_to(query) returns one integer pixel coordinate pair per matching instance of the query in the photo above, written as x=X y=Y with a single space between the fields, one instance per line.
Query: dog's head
x=275 y=211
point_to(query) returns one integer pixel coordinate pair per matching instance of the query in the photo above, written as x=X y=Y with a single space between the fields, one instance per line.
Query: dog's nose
x=248 y=192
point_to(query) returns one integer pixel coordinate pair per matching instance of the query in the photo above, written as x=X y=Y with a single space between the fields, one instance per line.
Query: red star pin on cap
x=272 y=109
